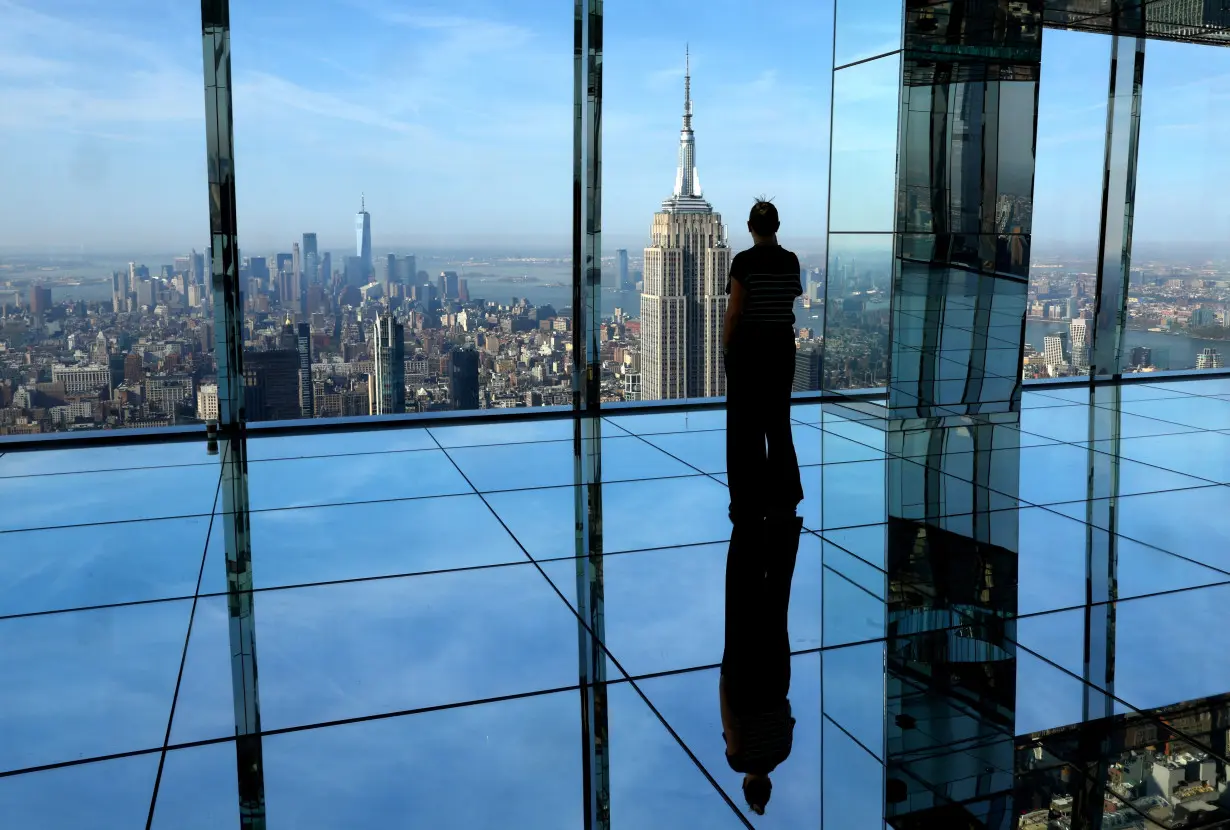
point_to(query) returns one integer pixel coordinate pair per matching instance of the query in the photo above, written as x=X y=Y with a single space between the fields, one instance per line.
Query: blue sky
x=455 y=120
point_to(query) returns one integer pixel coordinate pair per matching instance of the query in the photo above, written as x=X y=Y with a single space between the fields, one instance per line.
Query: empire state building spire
x=687 y=196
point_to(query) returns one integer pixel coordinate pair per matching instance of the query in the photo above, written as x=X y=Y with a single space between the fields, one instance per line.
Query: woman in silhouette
x=763 y=471
x=759 y=349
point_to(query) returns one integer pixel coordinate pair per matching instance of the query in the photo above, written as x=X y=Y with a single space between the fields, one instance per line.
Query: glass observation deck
x=413 y=614
x=301 y=534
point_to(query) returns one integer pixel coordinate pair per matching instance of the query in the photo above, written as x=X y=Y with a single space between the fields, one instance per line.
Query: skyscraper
x=386 y=391
x=1079 y=330
x=356 y=272
x=363 y=238
x=311 y=260
x=808 y=365
x=622 y=257
x=40 y=299
x=1053 y=348
x=463 y=379
x=271 y=384
x=303 y=341
x=684 y=296
x=119 y=291
x=448 y=285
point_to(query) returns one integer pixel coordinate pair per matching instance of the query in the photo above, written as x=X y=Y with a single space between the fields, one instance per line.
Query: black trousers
x=759 y=570
x=761 y=464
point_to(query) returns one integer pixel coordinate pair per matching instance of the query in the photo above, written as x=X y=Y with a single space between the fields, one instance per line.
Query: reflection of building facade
x=684 y=297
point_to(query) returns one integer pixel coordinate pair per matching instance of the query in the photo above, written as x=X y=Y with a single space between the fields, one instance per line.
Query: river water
x=1170 y=351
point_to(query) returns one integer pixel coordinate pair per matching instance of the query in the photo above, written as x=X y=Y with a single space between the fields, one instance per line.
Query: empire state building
x=684 y=297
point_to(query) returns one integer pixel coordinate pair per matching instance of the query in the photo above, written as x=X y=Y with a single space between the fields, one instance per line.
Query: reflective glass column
x=228 y=315
x=1127 y=69
x=587 y=398
x=951 y=665
x=961 y=248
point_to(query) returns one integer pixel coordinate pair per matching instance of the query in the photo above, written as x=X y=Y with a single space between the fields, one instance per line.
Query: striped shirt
x=770 y=276
x=765 y=740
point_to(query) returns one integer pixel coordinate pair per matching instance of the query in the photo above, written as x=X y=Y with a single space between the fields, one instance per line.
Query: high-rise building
x=40 y=299
x=1209 y=359
x=463 y=379
x=290 y=292
x=684 y=296
x=390 y=270
x=356 y=271
x=1054 y=349
x=119 y=291
x=463 y=291
x=410 y=273
x=271 y=384
x=621 y=257
x=449 y=285
x=258 y=268
x=311 y=260
x=1202 y=317
x=147 y=293
x=207 y=402
x=1079 y=330
x=386 y=390
x=134 y=369
x=807 y=368
x=198 y=273
x=363 y=239
x=296 y=263
x=303 y=341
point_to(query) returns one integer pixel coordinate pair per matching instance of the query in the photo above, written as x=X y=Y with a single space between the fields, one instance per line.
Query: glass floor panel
x=427 y=613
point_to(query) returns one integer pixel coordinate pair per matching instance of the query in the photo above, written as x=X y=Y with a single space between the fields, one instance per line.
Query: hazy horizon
x=455 y=122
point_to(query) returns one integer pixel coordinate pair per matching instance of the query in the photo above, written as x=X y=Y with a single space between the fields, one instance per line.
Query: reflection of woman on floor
x=763 y=471
x=755 y=683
